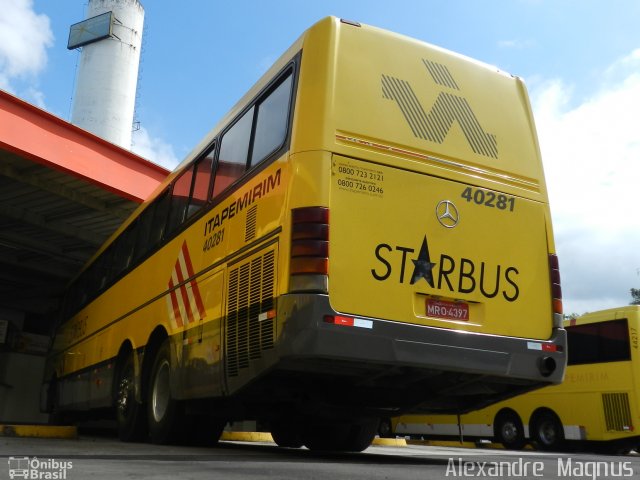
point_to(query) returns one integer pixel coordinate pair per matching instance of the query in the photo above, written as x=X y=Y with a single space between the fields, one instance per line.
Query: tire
x=548 y=432
x=360 y=436
x=287 y=433
x=325 y=437
x=509 y=431
x=165 y=415
x=204 y=430
x=132 y=425
x=56 y=417
x=340 y=437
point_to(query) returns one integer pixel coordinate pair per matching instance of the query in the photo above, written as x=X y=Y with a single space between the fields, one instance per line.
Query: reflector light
x=339 y=320
x=557 y=306
x=549 y=347
x=266 y=315
x=310 y=215
x=349 y=321
x=556 y=289
x=304 y=248
x=306 y=231
x=309 y=249
x=309 y=265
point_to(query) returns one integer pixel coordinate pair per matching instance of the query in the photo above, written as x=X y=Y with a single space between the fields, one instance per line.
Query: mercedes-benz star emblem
x=447 y=214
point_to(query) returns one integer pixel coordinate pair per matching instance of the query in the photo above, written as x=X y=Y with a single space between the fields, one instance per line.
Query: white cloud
x=515 y=44
x=24 y=38
x=591 y=154
x=154 y=149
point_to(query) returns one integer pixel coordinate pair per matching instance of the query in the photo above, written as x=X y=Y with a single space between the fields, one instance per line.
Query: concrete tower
x=107 y=76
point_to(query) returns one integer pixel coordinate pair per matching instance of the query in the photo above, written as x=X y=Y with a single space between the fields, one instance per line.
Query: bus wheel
x=547 y=431
x=509 y=431
x=57 y=416
x=129 y=413
x=360 y=435
x=325 y=436
x=340 y=437
x=287 y=433
x=164 y=413
x=385 y=430
x=204 y=430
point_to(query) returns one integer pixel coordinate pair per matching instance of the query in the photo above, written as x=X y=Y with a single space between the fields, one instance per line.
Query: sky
x=580 y=60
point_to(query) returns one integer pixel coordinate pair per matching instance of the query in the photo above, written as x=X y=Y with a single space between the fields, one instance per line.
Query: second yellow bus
x=598 y=402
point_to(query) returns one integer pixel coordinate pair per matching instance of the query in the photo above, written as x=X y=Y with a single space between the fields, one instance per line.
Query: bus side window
x=234 y=148
x=72 y=301
x=271 y=125
x=105 y=261
x=201 y=182
x=124 y=250
x=145 y=223
x=94 y=277
x=179 y=200
x=159 y=223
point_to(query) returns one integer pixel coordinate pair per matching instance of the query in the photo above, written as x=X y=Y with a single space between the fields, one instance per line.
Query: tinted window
x=201 y=182
x=124 y=250
x=105 y=262
x=179 y=200
x=234 y=149
x=598 y=342
x=159 y=223
x=271 y=125
x=144 y=227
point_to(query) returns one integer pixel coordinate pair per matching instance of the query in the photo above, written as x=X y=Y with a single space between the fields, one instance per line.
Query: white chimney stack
x=107 y=77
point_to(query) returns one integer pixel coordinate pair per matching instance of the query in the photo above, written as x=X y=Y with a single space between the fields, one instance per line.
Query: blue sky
x=579 y=58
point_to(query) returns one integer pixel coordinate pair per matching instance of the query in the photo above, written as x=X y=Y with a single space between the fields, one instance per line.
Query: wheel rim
x=161 y=392
x=385 y=428
x=548 y=434
x=509 y=432
x=125 y=394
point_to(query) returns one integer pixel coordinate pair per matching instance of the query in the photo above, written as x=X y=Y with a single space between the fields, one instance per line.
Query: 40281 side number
x=489 y=199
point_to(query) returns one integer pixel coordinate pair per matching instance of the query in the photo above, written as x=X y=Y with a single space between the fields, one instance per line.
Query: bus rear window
x=598 y=342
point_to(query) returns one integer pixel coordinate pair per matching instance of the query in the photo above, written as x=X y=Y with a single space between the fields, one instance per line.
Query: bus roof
x=626 y=311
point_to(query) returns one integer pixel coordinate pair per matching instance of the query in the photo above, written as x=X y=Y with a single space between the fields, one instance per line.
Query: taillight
x=556 y=289
x=309 y=265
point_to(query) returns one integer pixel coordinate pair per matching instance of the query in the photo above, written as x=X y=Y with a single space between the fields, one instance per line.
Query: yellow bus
x=366 y=233
x=598 y=402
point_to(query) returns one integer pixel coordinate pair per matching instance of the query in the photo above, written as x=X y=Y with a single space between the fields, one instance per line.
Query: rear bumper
x=448 y=368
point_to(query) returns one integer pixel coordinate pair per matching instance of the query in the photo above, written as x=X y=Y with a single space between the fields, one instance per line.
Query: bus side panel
x=249 y=331
x=201 y=363
x=167 y=291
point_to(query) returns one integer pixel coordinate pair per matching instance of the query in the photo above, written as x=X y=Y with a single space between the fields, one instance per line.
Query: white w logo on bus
x=434 y=125
x=184 y=301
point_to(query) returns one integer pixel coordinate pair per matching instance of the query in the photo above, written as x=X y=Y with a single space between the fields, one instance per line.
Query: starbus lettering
x=254 y=193
x=458 y=275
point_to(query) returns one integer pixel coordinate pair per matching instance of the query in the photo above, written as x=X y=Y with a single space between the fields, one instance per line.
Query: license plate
x=447 y=310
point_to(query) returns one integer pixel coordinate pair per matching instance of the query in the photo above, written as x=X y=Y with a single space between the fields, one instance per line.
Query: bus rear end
x=425 y=278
